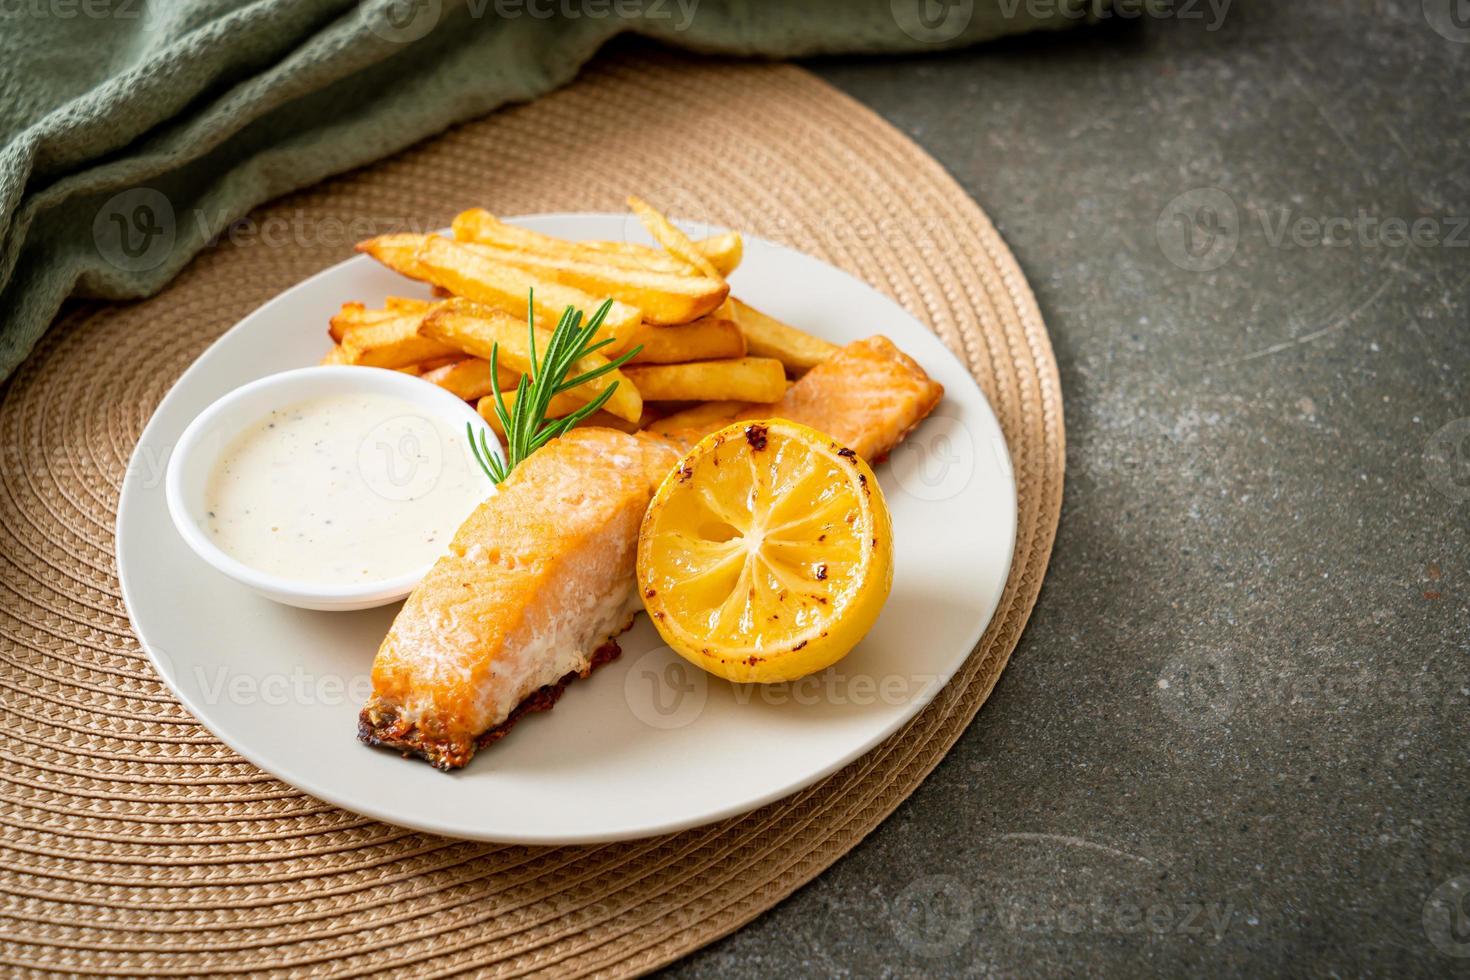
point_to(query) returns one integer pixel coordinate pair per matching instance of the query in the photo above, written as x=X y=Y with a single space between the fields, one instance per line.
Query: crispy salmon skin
x=534 y=585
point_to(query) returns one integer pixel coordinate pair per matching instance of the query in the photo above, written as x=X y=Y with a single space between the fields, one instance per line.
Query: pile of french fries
x=705 y=355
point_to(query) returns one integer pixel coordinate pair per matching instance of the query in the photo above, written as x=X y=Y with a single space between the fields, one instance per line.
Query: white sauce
x=342 y=489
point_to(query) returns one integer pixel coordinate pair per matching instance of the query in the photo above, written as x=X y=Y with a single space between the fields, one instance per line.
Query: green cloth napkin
x=121 y=119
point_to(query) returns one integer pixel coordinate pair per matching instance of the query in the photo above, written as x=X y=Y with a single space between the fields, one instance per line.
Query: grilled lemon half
x=767 y=553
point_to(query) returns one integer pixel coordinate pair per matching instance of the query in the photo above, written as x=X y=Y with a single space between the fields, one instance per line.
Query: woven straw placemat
x=134 y=843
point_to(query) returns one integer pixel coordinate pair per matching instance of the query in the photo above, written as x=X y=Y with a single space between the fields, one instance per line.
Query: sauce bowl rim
x=186 y=456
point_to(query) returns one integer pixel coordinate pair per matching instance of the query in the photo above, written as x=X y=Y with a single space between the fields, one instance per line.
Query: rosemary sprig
x=526 y=426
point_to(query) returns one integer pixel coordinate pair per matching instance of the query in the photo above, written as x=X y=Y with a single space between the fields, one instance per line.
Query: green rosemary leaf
x=526 y=426
x=590 y=407
x=496 y=466
x=612 y=365
x=469 y=430
x=499 y=403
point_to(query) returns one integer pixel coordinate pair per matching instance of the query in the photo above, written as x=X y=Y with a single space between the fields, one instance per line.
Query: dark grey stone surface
x=1233 y=740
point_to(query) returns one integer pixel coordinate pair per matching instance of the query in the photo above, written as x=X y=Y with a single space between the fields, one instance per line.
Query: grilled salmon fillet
x=867 y=396
x=534 y=586
x=540 y=579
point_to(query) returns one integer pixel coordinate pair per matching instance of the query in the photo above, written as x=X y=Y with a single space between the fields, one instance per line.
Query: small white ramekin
x=212 y=431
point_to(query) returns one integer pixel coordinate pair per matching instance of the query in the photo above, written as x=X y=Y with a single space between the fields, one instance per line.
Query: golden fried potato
x=560 y=406
x=724 y=252
x=397 y=252
x=394 y=343
x=470 y=380
x=674 y=241
x=704 y=339
x=604 y=420
x=601 y=419
x=403 y=304
x=336 y=355
x=480 y=227
x=475 y=329
x=464 y=271
x=709 y=417
x=448 y=360
x=355 y=315
x=750 y=379
x=663 y=297
x=765 y=336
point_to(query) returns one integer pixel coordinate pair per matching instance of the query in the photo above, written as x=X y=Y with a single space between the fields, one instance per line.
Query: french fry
x=724 y=252
x=403 y=304
x=765 y=336
x=664 y=297
x=448 y=360
x=397 y=252
x=336 y=355
x=750 y=379
x=674 y=241
x=470 y=380
x=464 y=325
x=393 y=343
x=465 y=272
x=477 y=225
x=704 y=339
x=601 y=419
x=606 y=420
x=480 y=227
x=709 y=416
x=355 y=315
x=560 y=406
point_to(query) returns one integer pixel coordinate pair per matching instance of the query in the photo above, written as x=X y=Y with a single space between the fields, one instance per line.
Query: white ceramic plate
x=647 y=744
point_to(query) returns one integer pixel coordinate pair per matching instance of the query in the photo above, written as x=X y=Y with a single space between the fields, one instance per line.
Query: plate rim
x=131 y=488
